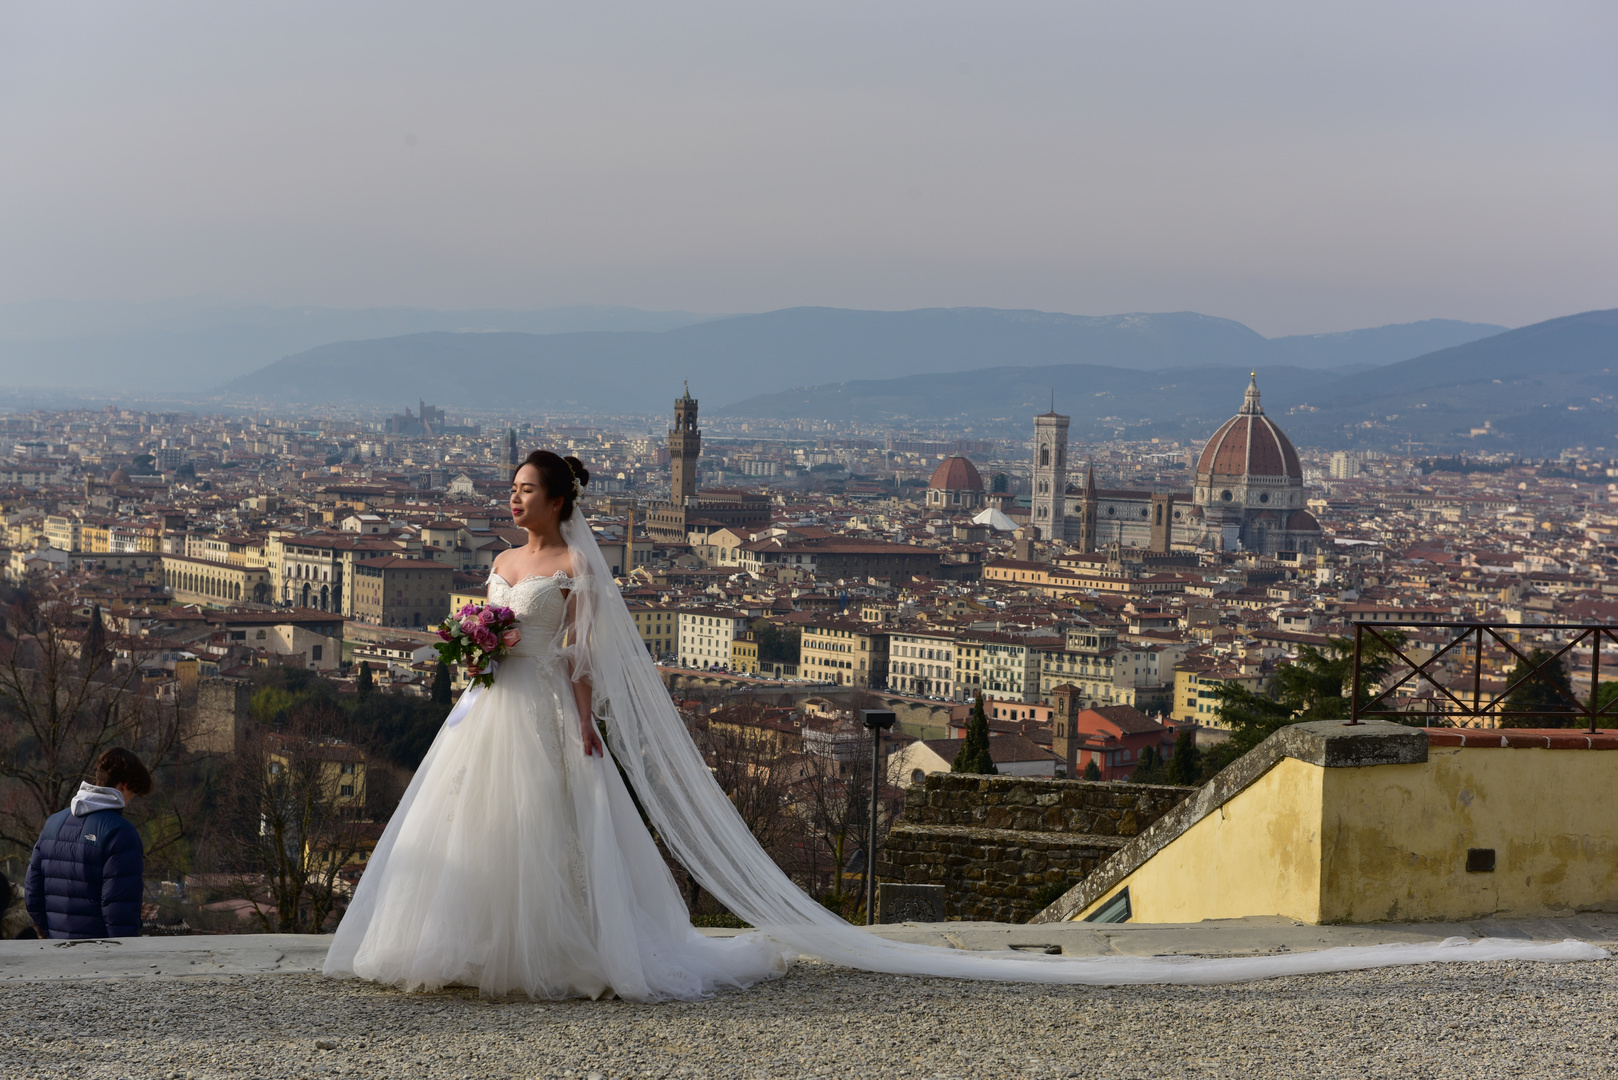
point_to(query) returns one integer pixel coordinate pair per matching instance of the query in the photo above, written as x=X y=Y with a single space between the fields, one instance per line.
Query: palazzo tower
x=685 y=446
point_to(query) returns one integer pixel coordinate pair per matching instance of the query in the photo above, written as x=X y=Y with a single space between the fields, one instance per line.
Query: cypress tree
x=95 y=642
x=1092 y=771
x=973 y=757
x=1185 y=767
x=1150 y=768
x=363 y=684
x=441 y=688
x=1541 y=698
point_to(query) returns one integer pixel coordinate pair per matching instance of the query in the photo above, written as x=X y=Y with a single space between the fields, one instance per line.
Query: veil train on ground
x=696 y=820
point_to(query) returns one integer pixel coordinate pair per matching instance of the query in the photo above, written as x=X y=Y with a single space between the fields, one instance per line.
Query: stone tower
x=1050 y=476
x=1162 y=510
x=1087 y=512
x=511 y=448
x=685 y=446
x=1064 y=739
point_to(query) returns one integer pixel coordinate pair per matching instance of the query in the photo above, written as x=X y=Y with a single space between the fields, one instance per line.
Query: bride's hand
x=592 y=741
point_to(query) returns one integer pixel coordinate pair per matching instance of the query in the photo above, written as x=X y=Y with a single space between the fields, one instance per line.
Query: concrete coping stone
x=1523 y=738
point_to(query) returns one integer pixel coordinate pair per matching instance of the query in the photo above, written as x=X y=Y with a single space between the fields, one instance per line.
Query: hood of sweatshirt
x=91 y=798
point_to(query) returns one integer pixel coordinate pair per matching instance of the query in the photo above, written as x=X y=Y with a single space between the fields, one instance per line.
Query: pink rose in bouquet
x=509 y=638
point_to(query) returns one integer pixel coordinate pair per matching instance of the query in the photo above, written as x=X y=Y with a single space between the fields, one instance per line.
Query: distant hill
x=1539 y=389
x=1379 y=345
x=742 y=356
x=179 y=344
x=1104 y=402
x=1543 y=387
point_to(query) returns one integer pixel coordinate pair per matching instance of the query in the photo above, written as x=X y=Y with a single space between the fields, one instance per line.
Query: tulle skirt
x=519 y=866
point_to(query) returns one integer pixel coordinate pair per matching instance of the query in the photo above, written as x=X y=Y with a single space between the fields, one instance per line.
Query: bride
x=516 y=861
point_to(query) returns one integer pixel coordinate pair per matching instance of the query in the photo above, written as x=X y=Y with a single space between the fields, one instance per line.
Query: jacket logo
x=89 y=838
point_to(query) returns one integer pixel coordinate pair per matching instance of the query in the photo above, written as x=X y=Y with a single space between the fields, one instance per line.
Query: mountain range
x=741 y=356
x=1537 y=389
x=173 y=345
x=977 y=369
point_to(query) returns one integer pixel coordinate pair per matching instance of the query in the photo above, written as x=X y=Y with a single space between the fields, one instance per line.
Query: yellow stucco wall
x=1389 y=842
x=1396 y=836
x=1258 y=853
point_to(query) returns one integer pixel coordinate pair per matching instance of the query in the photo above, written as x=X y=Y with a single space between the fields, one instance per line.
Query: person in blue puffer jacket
x=84 y=879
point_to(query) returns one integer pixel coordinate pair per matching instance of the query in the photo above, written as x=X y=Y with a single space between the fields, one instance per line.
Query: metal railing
x=1497 y=707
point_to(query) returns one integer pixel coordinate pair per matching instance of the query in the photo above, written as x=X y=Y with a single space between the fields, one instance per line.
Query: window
x=314 y=651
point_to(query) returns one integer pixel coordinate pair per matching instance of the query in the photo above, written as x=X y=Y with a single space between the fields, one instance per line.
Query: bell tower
x=685 y=446
x=1087 y=512
x=1049 y=497
x=1064 y=740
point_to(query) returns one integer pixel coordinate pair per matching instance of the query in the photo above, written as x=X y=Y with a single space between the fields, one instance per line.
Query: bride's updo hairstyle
x=559 y=476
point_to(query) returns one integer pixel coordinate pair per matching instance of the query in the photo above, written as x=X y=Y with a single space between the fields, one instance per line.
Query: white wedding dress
x=522 y=866
x=518 y=865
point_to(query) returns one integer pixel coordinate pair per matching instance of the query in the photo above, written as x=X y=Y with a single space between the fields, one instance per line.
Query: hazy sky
x=1299 y=166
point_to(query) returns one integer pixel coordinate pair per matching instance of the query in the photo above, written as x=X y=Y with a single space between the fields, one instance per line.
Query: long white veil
x=703 y=830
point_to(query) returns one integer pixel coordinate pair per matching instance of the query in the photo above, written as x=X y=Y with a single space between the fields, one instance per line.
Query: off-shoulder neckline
x=513 y=584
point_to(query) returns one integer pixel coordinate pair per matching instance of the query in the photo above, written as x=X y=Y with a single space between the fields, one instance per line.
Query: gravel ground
x=1453 y=1020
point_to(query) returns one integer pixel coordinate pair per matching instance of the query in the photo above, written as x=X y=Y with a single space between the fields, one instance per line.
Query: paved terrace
x=253 y=1006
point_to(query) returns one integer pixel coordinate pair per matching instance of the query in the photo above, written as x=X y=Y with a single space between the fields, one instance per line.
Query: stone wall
x=994 y=842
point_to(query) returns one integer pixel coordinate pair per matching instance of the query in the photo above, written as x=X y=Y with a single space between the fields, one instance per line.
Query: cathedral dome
x=956 y=474
x=956 y=485
x=119 y=476
x=1250 y=444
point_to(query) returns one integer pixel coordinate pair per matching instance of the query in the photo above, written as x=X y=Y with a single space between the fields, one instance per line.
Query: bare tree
x=747 y=758
x=297 y=817
x=833 y=799
x=69 y=690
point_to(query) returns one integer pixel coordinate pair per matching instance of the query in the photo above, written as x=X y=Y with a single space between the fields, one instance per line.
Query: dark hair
x=118 y=767
x=558 y=475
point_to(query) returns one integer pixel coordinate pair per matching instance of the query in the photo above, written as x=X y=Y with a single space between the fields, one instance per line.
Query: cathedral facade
x=1247 y=495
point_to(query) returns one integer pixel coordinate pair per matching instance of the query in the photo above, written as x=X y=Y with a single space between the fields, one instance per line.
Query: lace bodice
x=540 y=603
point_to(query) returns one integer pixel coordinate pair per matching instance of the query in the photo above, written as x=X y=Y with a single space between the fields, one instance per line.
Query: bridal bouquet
x=476 y=636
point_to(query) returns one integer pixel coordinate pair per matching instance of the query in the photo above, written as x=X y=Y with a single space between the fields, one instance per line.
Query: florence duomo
x=1248 y=494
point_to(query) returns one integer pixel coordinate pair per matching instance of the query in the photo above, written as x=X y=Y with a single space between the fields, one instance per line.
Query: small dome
x=1302 y=521
x=1249 y=444
x=119 y=476
x=956 y=474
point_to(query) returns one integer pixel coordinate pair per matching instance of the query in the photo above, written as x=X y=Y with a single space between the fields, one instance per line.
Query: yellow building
x=968 y=669
x=476 y=595
x=339 y=767
x=199 y=581
x=744 y=653
x=64 y=533
x=845 y=652
x=659 y=629
x=1195 y=700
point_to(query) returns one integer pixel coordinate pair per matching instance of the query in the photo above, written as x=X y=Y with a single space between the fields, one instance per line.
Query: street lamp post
x=878 y=720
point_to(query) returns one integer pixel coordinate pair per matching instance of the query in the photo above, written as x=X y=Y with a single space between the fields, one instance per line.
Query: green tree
x=1149 y=770
x=973 y=757
x=1185 y=767
x=1605 y=695
x=441 y=684
x=1092 y=771
x=1540 y=698
x=364 y=683
x=1316 y=686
